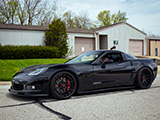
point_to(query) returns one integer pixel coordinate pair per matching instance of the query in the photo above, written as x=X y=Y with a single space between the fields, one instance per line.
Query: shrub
x=57 y=36
x=25 y=52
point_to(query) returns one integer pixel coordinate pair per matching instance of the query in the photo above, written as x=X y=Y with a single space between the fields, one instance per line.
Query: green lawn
x=9 y=67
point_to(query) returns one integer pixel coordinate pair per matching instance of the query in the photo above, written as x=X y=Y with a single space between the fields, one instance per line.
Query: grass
x=9 y=67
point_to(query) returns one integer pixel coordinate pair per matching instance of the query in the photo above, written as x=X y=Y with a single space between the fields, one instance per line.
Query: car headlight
x=38 y=71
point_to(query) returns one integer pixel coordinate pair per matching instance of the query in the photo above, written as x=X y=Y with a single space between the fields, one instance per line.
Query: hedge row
x=24 y=52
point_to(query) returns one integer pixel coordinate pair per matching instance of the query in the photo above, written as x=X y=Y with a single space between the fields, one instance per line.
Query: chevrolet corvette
x=89 y=72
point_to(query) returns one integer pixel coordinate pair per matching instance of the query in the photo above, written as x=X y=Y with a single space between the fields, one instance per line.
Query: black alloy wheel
x=63 y=85
x=145 y=78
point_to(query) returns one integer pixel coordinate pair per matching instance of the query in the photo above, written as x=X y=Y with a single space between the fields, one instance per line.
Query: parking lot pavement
x=130 y=104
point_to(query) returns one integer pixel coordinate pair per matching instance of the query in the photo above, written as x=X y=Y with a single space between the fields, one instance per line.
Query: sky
x=142 y=14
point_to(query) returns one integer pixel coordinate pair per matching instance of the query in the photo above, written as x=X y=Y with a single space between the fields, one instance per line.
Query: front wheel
x=63 y=85
x=144 y=79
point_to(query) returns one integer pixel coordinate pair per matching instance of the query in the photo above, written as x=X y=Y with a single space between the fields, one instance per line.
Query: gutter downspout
x=96 y=35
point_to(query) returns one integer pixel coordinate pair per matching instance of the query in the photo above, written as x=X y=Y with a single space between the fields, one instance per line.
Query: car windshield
x=87 y=57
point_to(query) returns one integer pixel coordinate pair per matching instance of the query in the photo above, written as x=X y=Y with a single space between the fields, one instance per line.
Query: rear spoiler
x=155 y=60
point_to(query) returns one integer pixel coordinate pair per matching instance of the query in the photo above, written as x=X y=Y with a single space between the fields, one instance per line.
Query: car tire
x=63 y=85
x=144 y=79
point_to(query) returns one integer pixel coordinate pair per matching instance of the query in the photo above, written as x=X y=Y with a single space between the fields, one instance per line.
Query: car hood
x=34 y=67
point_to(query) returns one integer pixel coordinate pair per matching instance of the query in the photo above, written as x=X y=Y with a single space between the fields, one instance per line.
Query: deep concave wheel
x=145 y=78
x=63 y=85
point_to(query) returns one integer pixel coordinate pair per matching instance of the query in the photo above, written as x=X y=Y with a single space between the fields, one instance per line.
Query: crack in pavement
x=40 y=104
x=60 y=115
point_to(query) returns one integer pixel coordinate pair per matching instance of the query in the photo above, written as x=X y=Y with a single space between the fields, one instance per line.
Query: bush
x=57 y=36
x=25 y=52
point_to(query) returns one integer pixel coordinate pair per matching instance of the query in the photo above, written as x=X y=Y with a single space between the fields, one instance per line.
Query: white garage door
x=136 y=47
x=84 y=45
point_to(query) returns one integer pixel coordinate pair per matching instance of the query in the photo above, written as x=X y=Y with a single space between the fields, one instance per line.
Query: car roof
x=104 y=50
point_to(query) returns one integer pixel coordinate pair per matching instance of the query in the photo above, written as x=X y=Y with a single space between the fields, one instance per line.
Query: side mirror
x=105 y=62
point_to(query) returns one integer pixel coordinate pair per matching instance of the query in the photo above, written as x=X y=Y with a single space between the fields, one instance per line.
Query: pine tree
x=57 y=36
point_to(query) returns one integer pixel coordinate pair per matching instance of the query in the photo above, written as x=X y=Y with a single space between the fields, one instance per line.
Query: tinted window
x=129 y=57
x=116 y=57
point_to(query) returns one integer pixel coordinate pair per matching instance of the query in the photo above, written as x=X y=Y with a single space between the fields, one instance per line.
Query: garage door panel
x=136 y=47
x=84 y=45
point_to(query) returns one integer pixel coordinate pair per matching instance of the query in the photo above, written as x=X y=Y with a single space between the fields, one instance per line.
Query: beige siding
x=136 y=47
x=153 y=45
x=84 y=45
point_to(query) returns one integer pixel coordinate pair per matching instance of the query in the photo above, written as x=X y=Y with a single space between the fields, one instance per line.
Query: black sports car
x=88 y=72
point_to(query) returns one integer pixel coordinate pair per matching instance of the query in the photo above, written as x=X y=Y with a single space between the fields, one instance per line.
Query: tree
x=82 y=21
x=76 y=21
x=68 y=18
x=57 y=36
x=8 y=11
x=21 y=12
x=34 y=8
x=31 y=12
x=105 y=18
x=119 y=17
x=48 y=14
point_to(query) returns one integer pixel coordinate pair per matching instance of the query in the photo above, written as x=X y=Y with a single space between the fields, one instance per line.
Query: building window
x=156 y=51
x=115 y=42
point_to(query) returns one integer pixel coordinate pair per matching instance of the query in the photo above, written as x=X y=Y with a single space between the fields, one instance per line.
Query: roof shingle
x=69 y=30
x=23 y=27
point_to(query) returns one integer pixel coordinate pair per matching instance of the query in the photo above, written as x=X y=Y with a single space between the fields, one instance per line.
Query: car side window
x=116 y=57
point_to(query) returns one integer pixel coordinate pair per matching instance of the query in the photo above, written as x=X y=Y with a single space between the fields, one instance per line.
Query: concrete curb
x=5 y=83
x=158 y=70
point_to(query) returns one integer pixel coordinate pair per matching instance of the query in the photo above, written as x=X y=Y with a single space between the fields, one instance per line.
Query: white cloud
x=143 y=14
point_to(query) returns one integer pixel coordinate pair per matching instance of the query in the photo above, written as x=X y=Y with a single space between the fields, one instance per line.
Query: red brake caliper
x=141 y=77
x=63 y=85
x=144 y=77
x=68 y=85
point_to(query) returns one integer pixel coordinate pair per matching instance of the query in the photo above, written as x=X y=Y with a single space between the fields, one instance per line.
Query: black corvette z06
x=89 y=72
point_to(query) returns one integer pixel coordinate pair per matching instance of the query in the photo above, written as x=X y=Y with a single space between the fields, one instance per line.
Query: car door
x=113 y=72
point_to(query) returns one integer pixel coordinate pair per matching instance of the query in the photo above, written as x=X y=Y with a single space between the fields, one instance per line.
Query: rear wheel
x=145 y=78
x=63 y=85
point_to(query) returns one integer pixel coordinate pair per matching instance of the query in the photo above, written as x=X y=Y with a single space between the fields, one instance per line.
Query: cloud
x=143 y=14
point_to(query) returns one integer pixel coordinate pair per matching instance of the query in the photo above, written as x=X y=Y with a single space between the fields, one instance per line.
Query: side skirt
x=107 y=89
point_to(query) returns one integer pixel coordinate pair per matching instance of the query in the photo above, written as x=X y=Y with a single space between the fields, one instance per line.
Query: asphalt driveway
x=130 y=104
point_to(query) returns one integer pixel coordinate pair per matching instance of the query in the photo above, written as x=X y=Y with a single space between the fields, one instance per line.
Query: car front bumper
x=27 y=93
x=30 y=88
